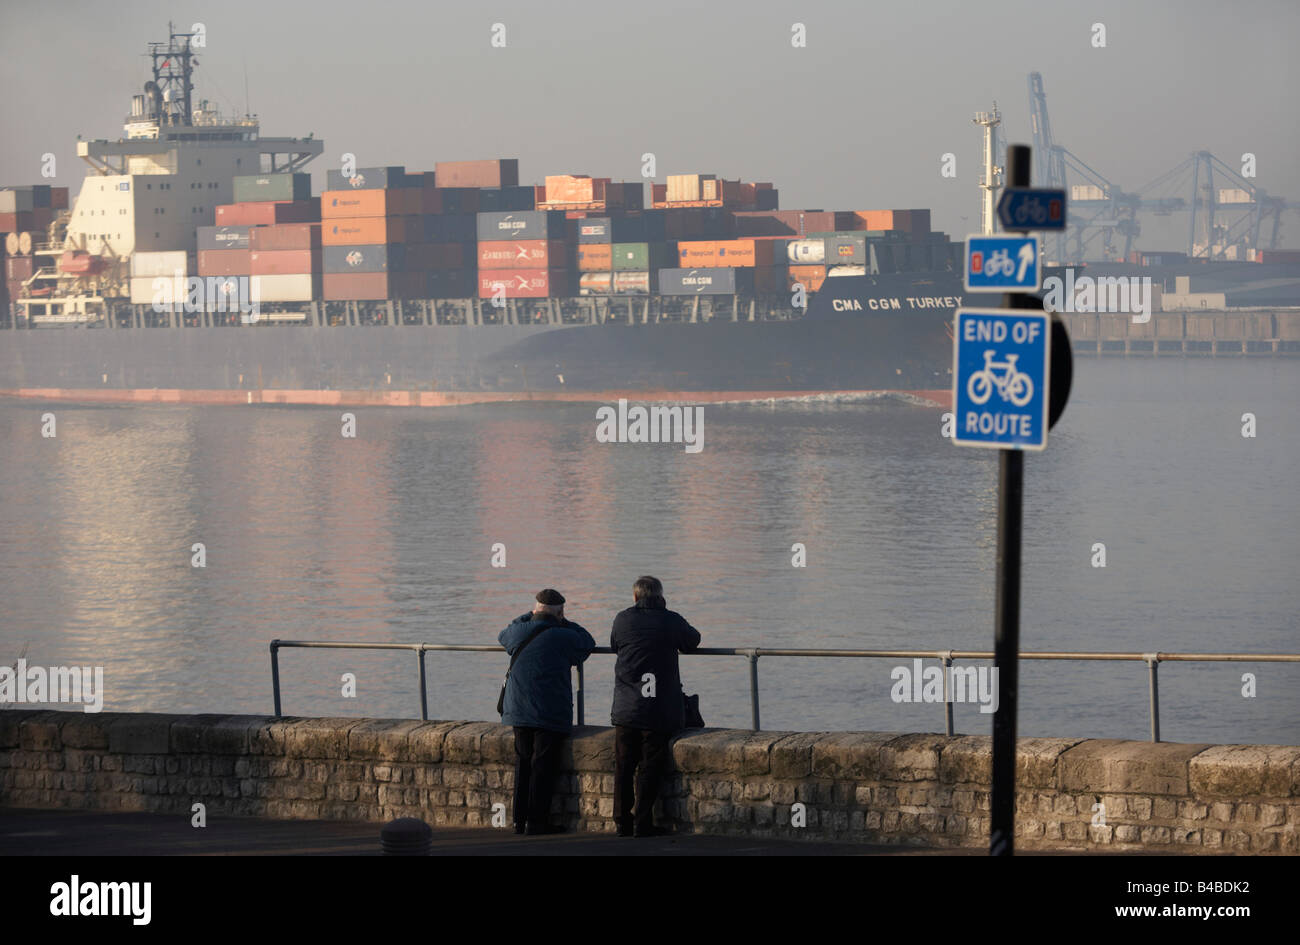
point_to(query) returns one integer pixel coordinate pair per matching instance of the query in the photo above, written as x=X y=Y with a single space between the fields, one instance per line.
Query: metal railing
x=752 y=654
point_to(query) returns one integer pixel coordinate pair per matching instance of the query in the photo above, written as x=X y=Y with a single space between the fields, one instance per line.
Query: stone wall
x=930 y=790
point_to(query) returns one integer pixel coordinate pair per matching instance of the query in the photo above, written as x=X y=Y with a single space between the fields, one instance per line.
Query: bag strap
x=531 y=637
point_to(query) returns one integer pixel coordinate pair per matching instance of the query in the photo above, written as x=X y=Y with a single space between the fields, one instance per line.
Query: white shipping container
x=282 y=288
x=806 y=252
x=168 y=263
x=1087 y=192
x=15 y=201
x=632 y=283
x=145 y=290
x=1234 y=195
x=683 y=187
x=846 y=271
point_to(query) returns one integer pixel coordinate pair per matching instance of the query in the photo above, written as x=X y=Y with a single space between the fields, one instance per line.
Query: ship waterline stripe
x=402 y=398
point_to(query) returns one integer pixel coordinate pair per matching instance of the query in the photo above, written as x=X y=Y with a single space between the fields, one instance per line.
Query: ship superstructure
x=151 y=189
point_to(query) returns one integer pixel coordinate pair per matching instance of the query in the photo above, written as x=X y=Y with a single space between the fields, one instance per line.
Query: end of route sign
x=1001 y=361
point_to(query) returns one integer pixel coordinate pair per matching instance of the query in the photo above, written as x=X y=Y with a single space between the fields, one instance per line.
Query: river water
x=389 y=536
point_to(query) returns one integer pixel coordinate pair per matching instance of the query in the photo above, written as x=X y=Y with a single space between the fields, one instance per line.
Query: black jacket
x=646 y=639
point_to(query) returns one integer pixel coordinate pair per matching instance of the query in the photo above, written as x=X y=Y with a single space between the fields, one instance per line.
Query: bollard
x=406 y=836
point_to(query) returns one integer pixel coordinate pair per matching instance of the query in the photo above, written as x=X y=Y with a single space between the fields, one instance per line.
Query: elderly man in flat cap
x=537 y=699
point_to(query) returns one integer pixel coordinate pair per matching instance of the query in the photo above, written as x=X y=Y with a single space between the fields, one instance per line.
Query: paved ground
x=96 y=833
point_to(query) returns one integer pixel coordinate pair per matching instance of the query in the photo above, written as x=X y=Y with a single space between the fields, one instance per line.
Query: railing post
x=753 y=685
x=1153 y=675
x=946 y=656
x=582 y=712
x=275 y=674
x=424 y=698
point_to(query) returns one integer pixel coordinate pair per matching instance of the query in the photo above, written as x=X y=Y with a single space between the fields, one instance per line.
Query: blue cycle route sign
x=1002 y=263
x=1029 y=208
x=1001 y=359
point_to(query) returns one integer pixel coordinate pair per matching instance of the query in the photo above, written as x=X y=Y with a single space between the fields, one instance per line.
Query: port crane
x=1230 y=214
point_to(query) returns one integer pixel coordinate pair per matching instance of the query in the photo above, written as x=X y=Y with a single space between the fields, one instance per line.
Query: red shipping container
x=354 y=285
x=524 y=283
x=521 y=254
x=262 y=212
x=284 y=262
x=59 y=198
x=16 y=222
x=19 y=268
x=225 y=262
x=284 y=236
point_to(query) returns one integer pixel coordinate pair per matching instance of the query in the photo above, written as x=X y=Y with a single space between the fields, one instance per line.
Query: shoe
x=651 y=832
x=542 y=830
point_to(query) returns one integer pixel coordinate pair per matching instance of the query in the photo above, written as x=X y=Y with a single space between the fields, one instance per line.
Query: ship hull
x=863 y=346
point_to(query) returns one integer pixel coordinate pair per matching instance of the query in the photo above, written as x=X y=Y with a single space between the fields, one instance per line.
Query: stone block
x=140 y=733
x=461 y=744
x=40 y=731
x=1103 y=765
x=381 y=739
x=705 y=751
x=589 y=748
x=319 y=738
x=84 y=730
x=791 y=755
x=912 y=757
x=849 y=755
x=1246 y=771
x=425 y=742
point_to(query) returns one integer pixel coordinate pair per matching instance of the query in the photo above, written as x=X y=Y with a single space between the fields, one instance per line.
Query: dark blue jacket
x=539 y=693
x=646 y=639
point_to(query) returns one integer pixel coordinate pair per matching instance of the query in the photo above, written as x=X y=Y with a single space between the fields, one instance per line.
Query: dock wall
x=931 y=790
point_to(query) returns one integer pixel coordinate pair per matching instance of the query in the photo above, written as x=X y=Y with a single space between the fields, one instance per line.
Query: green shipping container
x=643 y=256
x=258 y=187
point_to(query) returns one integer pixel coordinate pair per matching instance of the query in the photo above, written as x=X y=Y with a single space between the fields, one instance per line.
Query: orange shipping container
x=567 y=188
x=810 y=277
x=595 y=257
x=704 y=254
x=363 y=231
x=875 y=219
x=521 y=254
x=367 y=203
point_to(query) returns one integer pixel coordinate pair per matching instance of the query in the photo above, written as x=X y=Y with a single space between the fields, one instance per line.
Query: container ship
x=196 y=265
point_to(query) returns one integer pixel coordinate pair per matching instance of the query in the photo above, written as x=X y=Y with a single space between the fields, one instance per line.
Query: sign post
x=1002 y=398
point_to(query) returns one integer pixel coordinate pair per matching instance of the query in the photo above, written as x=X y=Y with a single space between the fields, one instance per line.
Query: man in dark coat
x=539 y=702
x=648 y=702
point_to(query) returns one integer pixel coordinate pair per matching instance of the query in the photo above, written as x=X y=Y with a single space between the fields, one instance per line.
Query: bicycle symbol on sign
x=1031 y=210
x=1014 y=385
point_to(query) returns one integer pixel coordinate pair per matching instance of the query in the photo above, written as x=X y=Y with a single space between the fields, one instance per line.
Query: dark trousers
x=640 y=756
x=537 y=755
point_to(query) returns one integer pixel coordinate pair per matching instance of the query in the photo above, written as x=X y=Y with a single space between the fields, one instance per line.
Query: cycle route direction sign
x=1001 y=362
x=1002 y=263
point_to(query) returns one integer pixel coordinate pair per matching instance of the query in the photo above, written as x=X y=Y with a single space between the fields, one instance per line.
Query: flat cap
x=550 y=597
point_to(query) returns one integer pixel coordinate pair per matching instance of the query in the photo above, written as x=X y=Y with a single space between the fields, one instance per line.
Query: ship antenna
x=247 y=107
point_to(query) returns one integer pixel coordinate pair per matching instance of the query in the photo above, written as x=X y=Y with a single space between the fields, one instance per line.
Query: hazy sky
x=857 y=119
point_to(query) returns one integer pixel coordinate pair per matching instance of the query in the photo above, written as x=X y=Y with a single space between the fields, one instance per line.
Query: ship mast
x=991 y=175
x=171 y=89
